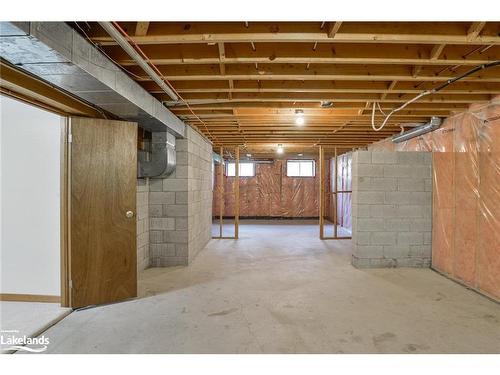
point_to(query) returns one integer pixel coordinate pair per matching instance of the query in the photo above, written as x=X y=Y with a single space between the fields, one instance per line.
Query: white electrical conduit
x=122 y=41
x=426 y=92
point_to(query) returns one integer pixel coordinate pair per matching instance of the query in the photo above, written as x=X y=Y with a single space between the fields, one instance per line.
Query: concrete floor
x=18 y=319
x=279 y=289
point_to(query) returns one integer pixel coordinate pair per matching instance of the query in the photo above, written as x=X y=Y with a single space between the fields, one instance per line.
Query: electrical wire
x=105 y=54
x=427 y=92
x=139 y=50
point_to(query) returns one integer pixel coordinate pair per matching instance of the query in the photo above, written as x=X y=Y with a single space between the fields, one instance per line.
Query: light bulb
x=299 y=120
x=280 y=149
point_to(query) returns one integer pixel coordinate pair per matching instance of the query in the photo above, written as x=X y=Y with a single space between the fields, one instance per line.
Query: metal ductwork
x=432 y=125
x=216 y=157
x=58 y=54
x=162 y=159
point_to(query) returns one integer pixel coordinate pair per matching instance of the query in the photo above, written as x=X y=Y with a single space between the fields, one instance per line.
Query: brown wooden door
x=103 y=177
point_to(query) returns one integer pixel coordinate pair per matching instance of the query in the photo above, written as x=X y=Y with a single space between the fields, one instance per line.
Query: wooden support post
x=335 y=195
x=221 y=191
x=65 y=212
x=334 y=192
x=321 y=197
x=237 y=194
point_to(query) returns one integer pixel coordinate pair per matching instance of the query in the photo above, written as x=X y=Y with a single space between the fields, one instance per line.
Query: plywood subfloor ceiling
x=246 y=79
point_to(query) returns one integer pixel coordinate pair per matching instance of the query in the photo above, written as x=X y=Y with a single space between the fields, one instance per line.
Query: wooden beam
x=340 y=128
x=25 y=87
x=436 y=51
x=288 y=108
x=221 y=192
x=141 y=29
x=368 y=87
x=360 y=112
x=321 y=190
x=389 y=89
x=302 y=37
x=333 y=28
x=323 y=72
x=300 y=53
x=416 y=71
x=194 y=99
x=245 y=80
x=474 y=30
x=237 y=194
x=231 y=88
x=335 y=188
x=222 y=58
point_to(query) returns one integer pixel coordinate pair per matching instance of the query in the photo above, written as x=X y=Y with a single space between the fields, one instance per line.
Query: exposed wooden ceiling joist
x=310 y=32
x=245 y=80
x=141 y=28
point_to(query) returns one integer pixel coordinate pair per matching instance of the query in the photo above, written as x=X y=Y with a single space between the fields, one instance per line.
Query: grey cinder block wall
x=142 y=216
x=391 y=209
x=180 y=206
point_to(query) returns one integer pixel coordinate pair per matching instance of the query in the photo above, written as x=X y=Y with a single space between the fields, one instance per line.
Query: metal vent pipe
x=432 y=125
x=163 y=161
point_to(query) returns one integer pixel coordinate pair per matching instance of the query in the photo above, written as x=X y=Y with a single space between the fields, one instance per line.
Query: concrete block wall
x=391 y=209
x=199 y=196
x=142 y=224
x=180 y=206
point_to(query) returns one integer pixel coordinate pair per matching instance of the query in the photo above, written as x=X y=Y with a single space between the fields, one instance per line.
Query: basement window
x=300 y=168
x=246 y=169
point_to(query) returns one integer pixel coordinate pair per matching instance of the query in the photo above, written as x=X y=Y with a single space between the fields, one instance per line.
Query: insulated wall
x=344 y=184
x=466 y=195
x=270 y=193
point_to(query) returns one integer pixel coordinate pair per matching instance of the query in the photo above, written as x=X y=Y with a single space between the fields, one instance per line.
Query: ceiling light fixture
x=300 y=155
x=299 y=117
x=280 y=149
x=249 y=155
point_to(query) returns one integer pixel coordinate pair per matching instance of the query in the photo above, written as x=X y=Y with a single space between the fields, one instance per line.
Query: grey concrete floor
x=279 y=289
x=18 y=319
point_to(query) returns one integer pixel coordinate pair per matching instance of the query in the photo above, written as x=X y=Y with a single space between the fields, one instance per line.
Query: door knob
x=129 y=214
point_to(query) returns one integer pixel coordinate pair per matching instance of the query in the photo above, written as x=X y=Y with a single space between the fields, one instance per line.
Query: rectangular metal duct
x=432 y=125
x=56 y=53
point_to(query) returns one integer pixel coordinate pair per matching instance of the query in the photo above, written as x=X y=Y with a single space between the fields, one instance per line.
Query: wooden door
x=102 y=211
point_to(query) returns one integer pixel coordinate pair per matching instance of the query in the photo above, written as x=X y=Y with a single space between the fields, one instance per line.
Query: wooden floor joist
x=246 y=80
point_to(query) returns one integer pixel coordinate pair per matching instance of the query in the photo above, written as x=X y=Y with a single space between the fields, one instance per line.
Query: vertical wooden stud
x=335 y=195
x=65 y=291
x=321 y=197
x=221 y=191
x=237 y=194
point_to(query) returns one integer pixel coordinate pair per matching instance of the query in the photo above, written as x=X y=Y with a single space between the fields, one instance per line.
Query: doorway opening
x=251 y=190
x=31 y=163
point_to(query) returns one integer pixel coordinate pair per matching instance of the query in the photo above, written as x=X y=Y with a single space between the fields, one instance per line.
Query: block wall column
x=392 y=209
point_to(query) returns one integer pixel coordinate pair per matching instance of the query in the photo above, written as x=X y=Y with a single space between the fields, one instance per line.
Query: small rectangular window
x=300 y=168
x=246 y=169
